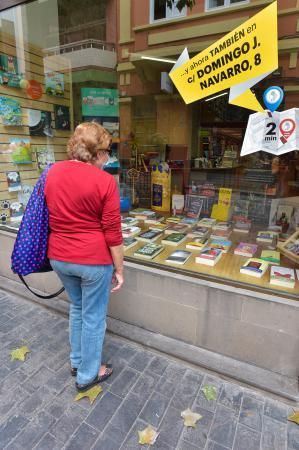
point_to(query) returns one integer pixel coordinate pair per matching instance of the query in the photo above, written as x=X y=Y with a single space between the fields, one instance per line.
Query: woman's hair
x=88 y=140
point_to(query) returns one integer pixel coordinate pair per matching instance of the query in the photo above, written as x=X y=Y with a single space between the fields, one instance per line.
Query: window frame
x=170 y=15
x=227 y=4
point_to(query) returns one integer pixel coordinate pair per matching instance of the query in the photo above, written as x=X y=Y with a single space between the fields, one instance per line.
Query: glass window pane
x=159 y=9
x=215 y=3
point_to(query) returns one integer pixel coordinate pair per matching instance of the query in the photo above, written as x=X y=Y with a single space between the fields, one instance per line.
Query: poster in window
x=20 y=149
x=40 y=123
x=54 y=84
x=44 y=156
x=13 y=181
x=62 y=117
x=10 y=111
x=9 y=72
x=100 y=102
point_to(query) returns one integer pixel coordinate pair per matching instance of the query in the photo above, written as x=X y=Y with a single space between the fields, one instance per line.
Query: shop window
x=211 y=4
x=160 y=11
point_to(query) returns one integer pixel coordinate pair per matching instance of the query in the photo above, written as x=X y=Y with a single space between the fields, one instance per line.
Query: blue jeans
x=88 y=287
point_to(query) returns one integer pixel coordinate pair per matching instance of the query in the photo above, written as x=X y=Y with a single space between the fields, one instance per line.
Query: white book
x=282 y=276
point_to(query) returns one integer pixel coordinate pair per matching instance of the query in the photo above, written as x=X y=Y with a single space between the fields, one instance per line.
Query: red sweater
x=84 y=213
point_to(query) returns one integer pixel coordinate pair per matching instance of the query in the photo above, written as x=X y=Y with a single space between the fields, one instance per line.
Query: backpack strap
x=38 y=295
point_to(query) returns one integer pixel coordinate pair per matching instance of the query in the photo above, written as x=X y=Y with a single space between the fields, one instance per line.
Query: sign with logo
x=99 y=102
x=237 y=62
x=272 y=132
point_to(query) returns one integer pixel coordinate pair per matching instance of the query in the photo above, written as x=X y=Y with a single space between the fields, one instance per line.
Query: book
x=40 y=123
x=207 y=222
x=149 y=236
x=245 y=249
x=174 y=239
x=282 y=276
x=159 y=226
x=128 y=222
x=189 y=221
x=222 y=226
x=218 y=234
x=129 y=242
x=242 y=225
x=240 y=208
x=16 y=211
x=254 y=267
x=197 y=244
x=20 y=150
x=62 y=117
x=142 y=214
x=271 y=255
x=266 y=236
x=177 y=228
x=199 y=231
x=130 y=231
x=157 y=218
x=54 y=82
x=209 y=256
x=149 y=251
x=174 y=219
x=177 y=205
x=13 y=181
x=193 y=206
x=44 y=156
x=221 y=244
x=178 y=257
x=10 y=111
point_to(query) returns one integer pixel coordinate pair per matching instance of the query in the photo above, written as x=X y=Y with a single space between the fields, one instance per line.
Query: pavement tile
x=38 y=379
x=48 y=442
x=10 y=399
x=84 y=438
x=274 y=435
x=10 y=428
x=251 y=413
x=186 y=391
x=158 y=365
x=114 y=434
x=65 y=427
x=166 y=387
x=127 y=413
x=131 y=442
x=246 y=439
x=106 y=443
x=36 y=401
x=231 y=396
x=60 y=379
x=141 y=360
x=127 y=352
x=276 y=410
x=144 y=385
x=154 y=409
x=175 y=372
x=198 y=435
x=201 y=400
x=32 y=433
x=224 y=426
x=123 y=383
x=171 y=428
x=118 y=365
x=183 y=445
x=103 y=411
x=211 y=445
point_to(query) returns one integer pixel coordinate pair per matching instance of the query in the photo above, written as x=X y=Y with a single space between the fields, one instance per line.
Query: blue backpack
x=30 y=250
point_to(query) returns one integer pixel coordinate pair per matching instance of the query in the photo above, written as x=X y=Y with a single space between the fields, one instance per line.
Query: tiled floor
x=37 y=408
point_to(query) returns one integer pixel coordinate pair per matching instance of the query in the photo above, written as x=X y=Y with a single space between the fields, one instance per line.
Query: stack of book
x=209 y=256
x=245 y=249
x=242 y=225
x=218 y=234
x=129 y=242
x=254 y=267
x=174 y=239
x=221 y=244
x=130 y=231
x=149 y=236
x=266 y=236
x=178 y=257
x=199 y=231
x=177 y=228
x=149 y=251
x=282 y=276
x=197 y=244
x=142 y=214
x=271 y=256
x=128 y=222
x=207 y=222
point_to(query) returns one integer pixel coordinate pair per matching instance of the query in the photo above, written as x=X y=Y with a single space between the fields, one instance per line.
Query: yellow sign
x=237 y=61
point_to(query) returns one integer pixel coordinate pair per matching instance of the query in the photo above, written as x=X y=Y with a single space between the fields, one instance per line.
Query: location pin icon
x=273 y=97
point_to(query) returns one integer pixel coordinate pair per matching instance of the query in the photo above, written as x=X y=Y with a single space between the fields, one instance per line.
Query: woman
x=85 y=245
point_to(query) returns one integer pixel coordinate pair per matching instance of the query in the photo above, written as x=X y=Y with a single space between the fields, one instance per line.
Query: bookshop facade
x=211 y=238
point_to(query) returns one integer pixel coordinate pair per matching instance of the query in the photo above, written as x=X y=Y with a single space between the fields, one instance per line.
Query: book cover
x=254 y=267
x=224 y=197
x=193 y=206
x=221 y=244
x=62 y=117
x=271 y=255
x=245 y=249
x=130 y=231
x=178 y=201
x=149 y=251
x=178 y=257
x=20 y=150
x=222 y=226
x=242 y=225
x=129 y=242
x=207 y=222
x=199 y=231
x=13 y=181
x=197 y=244
x=283 y=276
x=210 y=253
x=189 y=221
x=174 y=219
x=266 y=236
x=24 y=194
x=177 y=228
x=141 y=213
x=218 y=234
x=40 y=123
x=16 y=211
x=159 y=226
x=155 y=219
x=54 y=82
x=128 y=222
x=150 y=235
x=10 y=111
x=9 y=71
x=44 y=156
x=174 y=238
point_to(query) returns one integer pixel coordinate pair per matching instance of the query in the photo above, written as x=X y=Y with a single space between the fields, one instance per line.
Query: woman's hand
x=117 y=281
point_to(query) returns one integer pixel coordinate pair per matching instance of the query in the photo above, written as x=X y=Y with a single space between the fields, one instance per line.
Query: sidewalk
x=37 y=408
